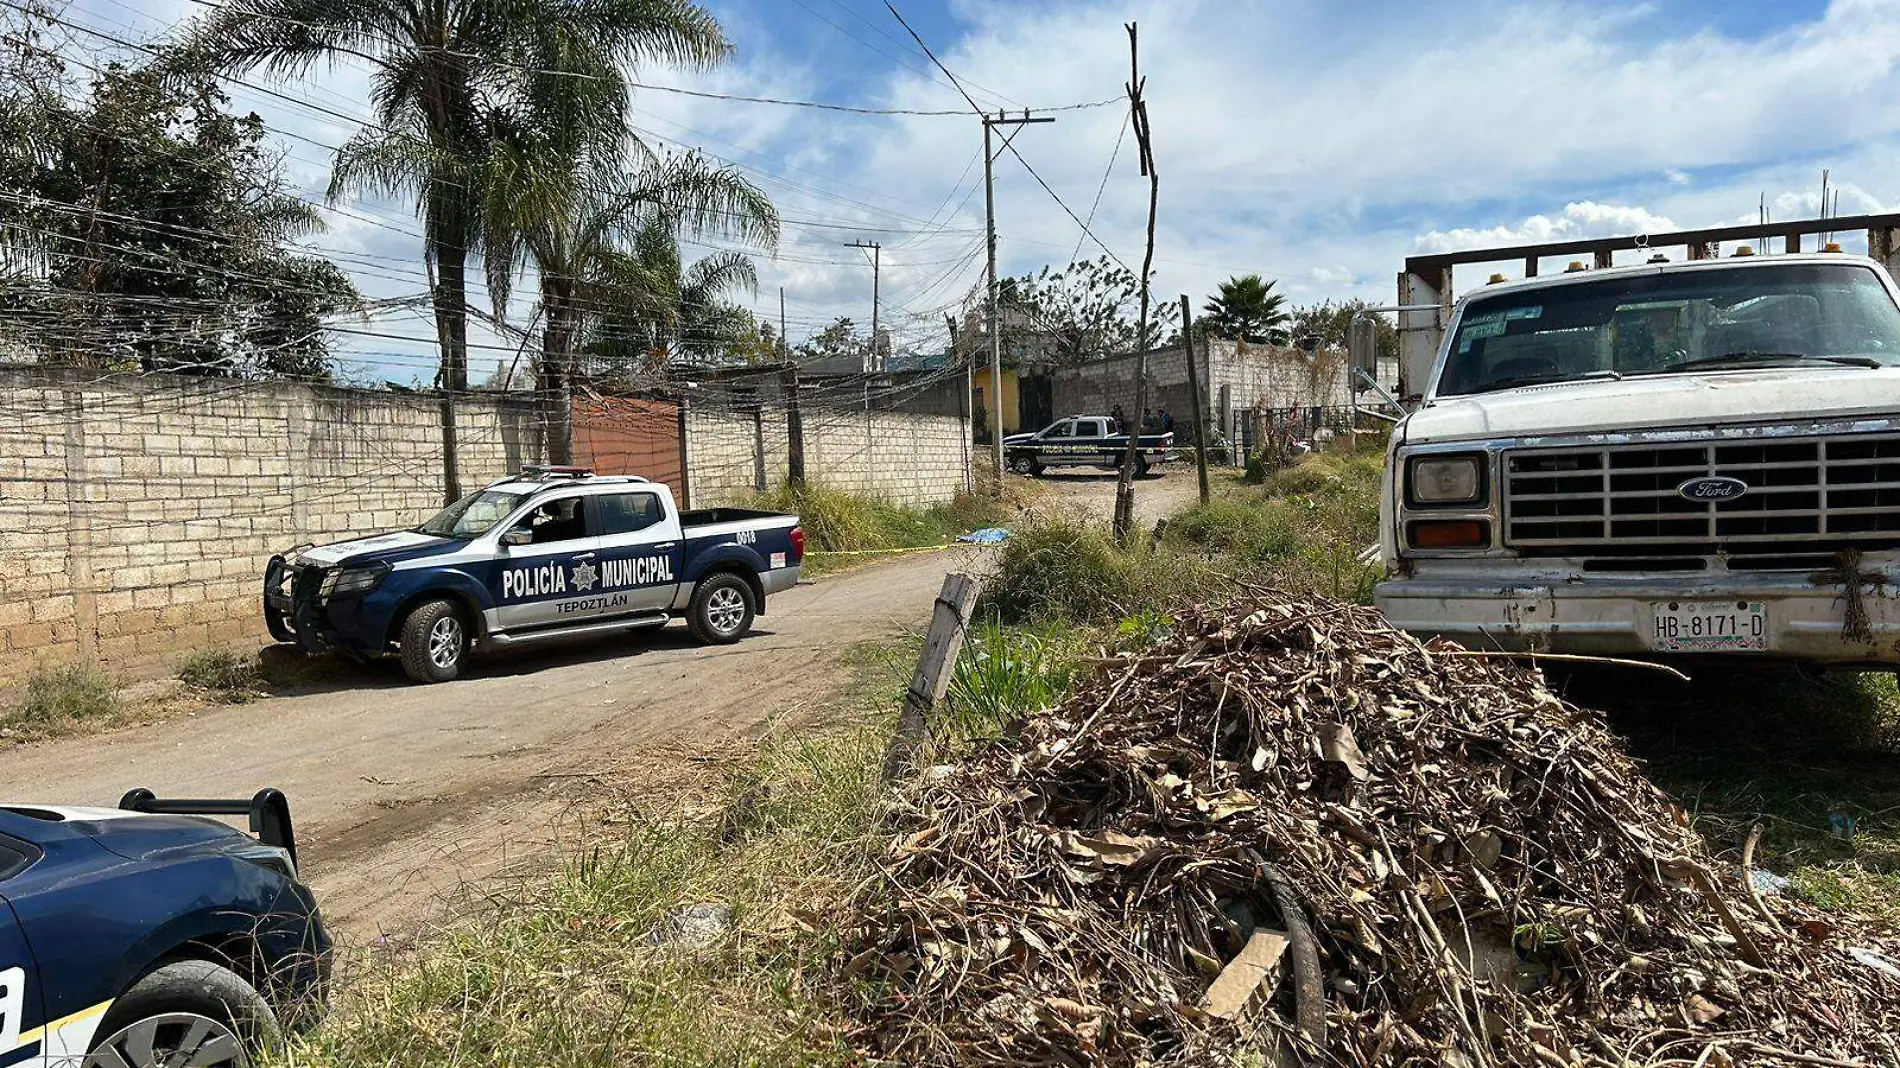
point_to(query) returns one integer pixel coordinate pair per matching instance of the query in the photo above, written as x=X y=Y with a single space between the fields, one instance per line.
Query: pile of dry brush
x=1288 y=833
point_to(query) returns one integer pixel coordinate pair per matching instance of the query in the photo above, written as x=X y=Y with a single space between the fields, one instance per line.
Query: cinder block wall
x=902 y=457
x=137 y=512
x=1253 y=376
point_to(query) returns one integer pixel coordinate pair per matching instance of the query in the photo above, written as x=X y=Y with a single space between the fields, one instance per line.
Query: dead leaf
x=1338 y=746
x=1256 y=968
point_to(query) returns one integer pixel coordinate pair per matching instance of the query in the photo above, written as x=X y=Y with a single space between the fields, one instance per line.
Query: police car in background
x=1084 y=441
x=552 y=552
x=149 y=937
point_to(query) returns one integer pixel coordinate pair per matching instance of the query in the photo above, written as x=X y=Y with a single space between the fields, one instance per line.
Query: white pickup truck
x=1666 y=460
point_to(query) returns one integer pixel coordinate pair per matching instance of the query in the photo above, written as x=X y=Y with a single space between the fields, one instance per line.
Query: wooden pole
x=935 y=668
x=1138 y=111
x=1200 y=403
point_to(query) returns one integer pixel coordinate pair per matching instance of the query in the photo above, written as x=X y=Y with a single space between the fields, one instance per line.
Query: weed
x=1005 y=674
x=61 y=699
x=1061 y=571
x=1302 y=531
x=578 y=970
x=838 y=522
x=223 y=672
x=1811 y=761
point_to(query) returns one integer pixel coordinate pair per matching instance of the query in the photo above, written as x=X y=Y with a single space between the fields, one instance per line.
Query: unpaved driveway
x=401 y=791
x=1090 y=494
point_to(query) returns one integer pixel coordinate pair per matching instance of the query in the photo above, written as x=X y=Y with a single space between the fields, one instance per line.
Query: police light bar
x=556 y=471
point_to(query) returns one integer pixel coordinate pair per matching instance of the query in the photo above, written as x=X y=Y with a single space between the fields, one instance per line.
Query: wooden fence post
x=934 y=671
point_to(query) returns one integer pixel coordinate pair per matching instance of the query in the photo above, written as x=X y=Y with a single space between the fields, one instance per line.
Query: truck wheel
x=1025 y=465
x=187 y=1012
x=721 y=611
x=434 y=642
x=1141 y=466
x=278 y=625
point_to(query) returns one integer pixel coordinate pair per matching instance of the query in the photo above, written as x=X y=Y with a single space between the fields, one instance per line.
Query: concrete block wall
x=902 y=457
x=137 y=512
x=1249 y=376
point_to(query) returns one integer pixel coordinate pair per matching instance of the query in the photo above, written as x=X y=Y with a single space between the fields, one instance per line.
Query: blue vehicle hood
x=1018 y=439
x=133 y=835
x=388 y=548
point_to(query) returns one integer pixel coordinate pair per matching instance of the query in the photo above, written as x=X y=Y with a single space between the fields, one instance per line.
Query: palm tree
x=601 y=219
x=440 y=69
x=1247 y=309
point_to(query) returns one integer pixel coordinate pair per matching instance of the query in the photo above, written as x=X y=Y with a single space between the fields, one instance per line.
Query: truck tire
x=1025 y=465
x=722 y=610
x=434 y=641
x=189 y=1011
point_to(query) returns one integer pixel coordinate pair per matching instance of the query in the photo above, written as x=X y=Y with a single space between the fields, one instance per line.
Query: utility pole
x=794 y=422
x=877 y=268
x=996 y=335
x=1138 y=115
x=1194 y=386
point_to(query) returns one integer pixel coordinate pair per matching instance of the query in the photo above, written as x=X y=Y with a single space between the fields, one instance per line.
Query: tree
x=601 y=218
x=1082 y=312
x=1331 y=323
x=149 y=227
x=840 y=340
x=442 y=72
x=1247 y=309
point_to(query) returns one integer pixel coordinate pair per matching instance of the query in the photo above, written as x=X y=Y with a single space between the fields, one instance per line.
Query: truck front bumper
x=1807 y=620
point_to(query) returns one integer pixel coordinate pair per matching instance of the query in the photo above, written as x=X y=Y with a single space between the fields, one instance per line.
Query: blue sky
x=1315 y=142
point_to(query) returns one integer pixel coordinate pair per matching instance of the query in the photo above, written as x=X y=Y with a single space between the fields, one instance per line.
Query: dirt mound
x=1288 y=832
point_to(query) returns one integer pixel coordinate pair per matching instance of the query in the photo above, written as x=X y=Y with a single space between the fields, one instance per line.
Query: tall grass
x=839 y=522
x=61 y=699
x=579 y=969
x=1303 y=530
x=1066 y=572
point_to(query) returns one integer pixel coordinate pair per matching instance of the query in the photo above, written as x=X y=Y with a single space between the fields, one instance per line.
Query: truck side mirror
x=1363 y=344
x=518 y=537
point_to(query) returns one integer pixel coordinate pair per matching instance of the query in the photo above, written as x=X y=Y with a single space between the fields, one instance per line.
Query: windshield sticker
x=1533 y=311
x=1480 y=331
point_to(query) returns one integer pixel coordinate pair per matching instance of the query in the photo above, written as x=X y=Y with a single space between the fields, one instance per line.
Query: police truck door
x=640 y=552
x=536 y=583
x=21 y=1011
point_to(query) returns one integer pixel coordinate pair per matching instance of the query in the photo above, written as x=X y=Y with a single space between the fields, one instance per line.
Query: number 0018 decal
x=12 y=1006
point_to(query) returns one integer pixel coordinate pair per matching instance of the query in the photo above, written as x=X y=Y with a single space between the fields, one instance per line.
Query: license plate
x=1709 y=626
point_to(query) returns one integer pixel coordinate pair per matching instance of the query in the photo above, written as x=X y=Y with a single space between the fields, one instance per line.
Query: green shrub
x=64 y=697
x=1005 y=674
x=838 y=522
x=1061 y=571
x=224 y=672
x=1302 y=531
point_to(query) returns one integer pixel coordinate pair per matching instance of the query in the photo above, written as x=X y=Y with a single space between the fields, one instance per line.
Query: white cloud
x=1321 y=159
x=1578 y=220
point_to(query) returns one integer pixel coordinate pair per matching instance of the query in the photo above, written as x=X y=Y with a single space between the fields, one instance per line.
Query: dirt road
x=1091 y=494
x=401 y=791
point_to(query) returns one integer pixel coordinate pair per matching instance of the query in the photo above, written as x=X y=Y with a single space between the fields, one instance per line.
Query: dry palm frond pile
x=1288 y=832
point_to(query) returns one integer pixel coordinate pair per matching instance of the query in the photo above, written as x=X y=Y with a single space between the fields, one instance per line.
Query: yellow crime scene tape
x=873 y=552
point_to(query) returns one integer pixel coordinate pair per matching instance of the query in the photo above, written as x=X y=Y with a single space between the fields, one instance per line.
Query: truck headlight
x=1446 y=479
x=354 y=581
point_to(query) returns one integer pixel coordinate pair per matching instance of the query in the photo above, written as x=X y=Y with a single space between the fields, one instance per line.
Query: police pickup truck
x=1667 y=459
x=551 y=552
x=148 y=937
x=1083 y=441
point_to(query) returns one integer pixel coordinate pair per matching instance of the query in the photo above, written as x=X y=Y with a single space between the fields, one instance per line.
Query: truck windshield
x=473 y=515
x=1785 y=315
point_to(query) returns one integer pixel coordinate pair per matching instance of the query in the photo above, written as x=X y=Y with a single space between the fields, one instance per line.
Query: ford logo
x=1712 y=488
